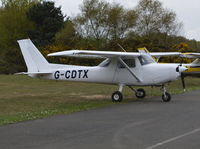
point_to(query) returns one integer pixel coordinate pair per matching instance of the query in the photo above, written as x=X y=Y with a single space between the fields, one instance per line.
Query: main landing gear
x=117 y=96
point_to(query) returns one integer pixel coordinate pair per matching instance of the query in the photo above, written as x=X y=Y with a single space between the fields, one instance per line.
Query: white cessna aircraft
x=121 y=68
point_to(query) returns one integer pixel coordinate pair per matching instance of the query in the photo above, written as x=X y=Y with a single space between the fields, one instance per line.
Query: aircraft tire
x=166 y=97
x=140 y=93
x=117 y=96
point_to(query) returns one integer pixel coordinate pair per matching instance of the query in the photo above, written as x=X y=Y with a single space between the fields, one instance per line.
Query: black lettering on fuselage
x=85 y=73
x=73 y=74
x=57 y=75
x=67 y=74
x=80 y=72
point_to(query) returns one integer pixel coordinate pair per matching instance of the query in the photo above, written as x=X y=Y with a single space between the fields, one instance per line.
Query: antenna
x=121 y=47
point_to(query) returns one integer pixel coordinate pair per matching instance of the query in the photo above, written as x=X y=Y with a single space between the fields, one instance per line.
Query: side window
x=129 y=62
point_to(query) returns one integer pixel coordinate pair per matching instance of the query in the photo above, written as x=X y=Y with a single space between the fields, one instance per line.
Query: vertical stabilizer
x=35 y=61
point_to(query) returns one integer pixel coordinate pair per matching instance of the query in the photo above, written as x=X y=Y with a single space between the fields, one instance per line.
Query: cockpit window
x=129 y=62
x=144 y=60
x=105 y=63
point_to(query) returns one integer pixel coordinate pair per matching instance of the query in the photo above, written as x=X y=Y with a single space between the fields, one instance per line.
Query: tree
x=101 y=21
x=92 y=22
x=14 y=25
x=67 y=35
x=120 y=21
x=153 y=18
x=48 y=20
x=182 y=47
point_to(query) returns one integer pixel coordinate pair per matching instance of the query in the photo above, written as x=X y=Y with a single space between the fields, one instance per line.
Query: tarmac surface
x=147 y=124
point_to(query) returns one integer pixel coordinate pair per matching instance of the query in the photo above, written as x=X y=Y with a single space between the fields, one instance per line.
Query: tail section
x=34 y=60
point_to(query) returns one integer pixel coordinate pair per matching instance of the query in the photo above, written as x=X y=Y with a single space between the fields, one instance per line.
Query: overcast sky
x=188 y=12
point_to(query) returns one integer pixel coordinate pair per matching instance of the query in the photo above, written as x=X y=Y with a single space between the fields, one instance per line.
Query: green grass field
x=23 y=98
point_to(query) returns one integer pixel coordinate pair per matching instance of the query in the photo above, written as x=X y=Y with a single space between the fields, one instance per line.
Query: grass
x=23 y=98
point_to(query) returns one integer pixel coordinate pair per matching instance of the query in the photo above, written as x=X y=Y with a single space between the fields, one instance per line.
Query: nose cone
x=181 y=69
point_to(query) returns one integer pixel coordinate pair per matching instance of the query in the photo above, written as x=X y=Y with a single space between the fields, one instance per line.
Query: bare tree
x=92 y=20
x=120 y=21
x=101 y=20
x=153 y=18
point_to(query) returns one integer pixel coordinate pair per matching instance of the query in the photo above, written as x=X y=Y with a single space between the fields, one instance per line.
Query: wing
x=159 y=54
x=94 y=54
x=162 y=54
x=108 y=54
x=190 y=55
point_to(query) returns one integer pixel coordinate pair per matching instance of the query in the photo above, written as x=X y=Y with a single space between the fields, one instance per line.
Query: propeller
x=183 y=81
x=181 y=69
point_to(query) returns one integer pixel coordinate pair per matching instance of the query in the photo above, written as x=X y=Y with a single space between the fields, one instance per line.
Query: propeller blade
x=183 y=81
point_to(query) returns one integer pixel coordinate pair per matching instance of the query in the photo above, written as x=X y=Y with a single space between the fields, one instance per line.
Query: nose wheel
x=166 y=97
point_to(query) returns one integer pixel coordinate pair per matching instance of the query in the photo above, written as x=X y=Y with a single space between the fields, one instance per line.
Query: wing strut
x=128 y=68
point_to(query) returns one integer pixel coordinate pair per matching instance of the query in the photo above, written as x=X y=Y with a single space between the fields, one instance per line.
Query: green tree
x=14 y=25
x=67 y=35
x=48 y=20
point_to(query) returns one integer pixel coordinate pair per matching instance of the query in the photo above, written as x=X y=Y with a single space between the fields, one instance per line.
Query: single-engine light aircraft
x=120 y=68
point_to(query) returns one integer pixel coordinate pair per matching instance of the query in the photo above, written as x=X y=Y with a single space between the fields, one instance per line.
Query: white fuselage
x=150 y=74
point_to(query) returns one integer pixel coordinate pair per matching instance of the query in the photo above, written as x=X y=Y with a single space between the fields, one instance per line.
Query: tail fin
x=196 y=62
x=35 y=61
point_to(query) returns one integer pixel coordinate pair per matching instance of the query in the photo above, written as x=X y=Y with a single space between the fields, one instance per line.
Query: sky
x=188 y=12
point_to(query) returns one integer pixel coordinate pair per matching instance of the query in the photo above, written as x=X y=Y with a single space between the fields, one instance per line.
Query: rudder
x=34 y=60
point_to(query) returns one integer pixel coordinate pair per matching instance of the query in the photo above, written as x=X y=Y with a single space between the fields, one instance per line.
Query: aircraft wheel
x=166 y=97
x=117 y=96
x=140 y=93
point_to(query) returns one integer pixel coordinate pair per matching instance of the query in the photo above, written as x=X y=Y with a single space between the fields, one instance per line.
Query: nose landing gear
x=166 y=97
